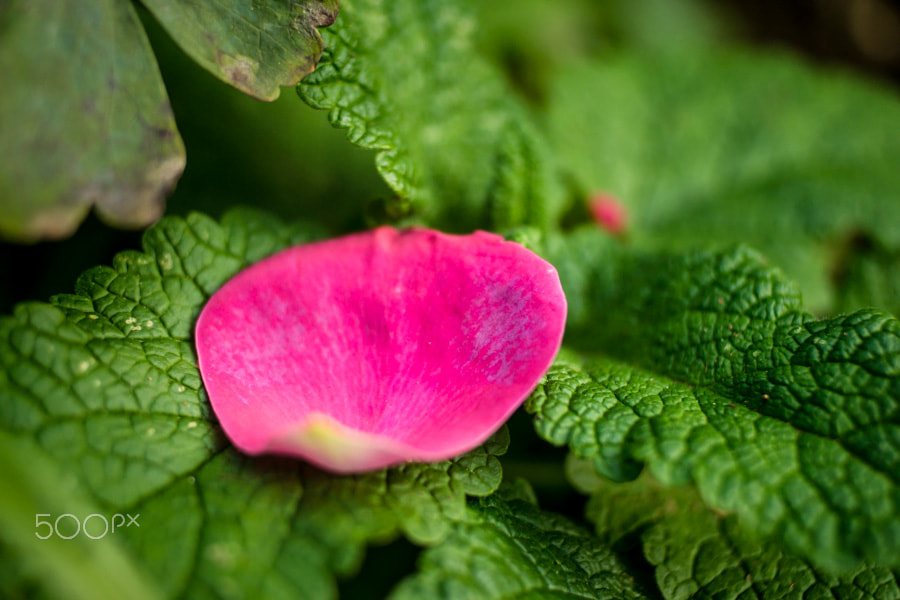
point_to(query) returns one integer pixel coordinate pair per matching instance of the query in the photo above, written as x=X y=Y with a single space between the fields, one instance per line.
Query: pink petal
x=379 y=348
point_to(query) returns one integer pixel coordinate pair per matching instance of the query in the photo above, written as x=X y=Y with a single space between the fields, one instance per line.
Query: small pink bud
x=608 y=212
x=379 y=348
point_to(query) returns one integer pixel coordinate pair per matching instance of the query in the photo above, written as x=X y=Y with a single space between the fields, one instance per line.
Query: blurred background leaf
x=86 y=120
x=280 y=156
x=532 y=39
x=731 y=145
x=258 y=46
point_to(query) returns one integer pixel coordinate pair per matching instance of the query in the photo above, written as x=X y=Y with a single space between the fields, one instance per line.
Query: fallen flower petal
x=379 y=348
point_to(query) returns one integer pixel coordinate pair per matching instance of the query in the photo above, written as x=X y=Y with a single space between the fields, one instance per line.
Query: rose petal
x=379 y=348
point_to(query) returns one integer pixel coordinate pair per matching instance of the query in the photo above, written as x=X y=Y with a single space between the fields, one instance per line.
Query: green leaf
x=508 y=548
x=708 y=372
x=269 y=151
x=404 y=79
x=729 y=145
x=517 y=35
x=35 y=489
x=85 y=119
x=238 y=525
x=255 y=45
x=867 y=276
x=104 y=383
x=699 y=553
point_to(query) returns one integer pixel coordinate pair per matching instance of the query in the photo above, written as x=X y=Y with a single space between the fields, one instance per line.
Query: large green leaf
x=258 y=46
x=237 y=525
x=507 y=548
x=727 y=145
x=519 y=34
x=404 y=78
x=35 y=489
x=707 y=370
x=697 y=552
x=85 y=119
x=104 y=385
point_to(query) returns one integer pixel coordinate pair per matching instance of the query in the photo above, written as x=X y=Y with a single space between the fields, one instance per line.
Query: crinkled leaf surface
x=707 y=370
x=698 y=553
x=104 y=383
x=257 y=46
x=403 y=78
x=241 y=525
x=507 y=548
x=86 y=121
x=725 y=146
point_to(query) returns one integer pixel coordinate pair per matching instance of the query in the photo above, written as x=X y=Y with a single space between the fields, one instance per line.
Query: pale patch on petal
x=336 y=447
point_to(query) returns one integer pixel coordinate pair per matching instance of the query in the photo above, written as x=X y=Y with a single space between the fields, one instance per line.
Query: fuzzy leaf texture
x=696 y=552
x=404 y=78
x=730 y=145
x=706 y=369
x=508 y=548
x=103 y=385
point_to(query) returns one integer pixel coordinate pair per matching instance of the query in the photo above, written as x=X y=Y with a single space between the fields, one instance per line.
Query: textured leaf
x=507 y=548
x=727 y=146
x=699 y=553
x=255 y=45
x=718 y=378
x=105 y=383
x=239 y=525
x=468 y=156
x=85 y=119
